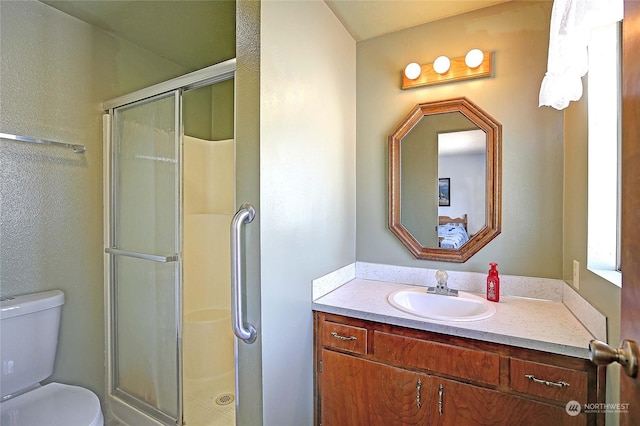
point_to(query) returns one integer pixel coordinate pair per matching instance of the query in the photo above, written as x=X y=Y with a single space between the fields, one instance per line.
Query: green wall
x=51 y=86
x=602 y=294
x=208 y=112
x=56 y=72
x=517 y=33
x=544 y=151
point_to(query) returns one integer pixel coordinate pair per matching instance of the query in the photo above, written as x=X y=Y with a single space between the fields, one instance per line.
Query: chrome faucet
x=442 y=288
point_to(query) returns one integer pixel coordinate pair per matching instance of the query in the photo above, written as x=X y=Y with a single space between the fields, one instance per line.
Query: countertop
x=523 y=322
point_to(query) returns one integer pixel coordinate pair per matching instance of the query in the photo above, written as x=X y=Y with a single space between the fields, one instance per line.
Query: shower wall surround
x=208 y=344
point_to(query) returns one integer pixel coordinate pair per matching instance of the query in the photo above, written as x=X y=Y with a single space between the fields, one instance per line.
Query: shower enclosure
x=169 y=203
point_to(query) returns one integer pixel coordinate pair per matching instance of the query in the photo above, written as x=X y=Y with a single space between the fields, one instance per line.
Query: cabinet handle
x=546 y=382
x=418 y=393
x=337 y=336
x=440 y=397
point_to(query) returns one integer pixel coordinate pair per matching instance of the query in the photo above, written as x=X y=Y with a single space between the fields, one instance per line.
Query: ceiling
x=371 y=18
x=159 y=26
x=194 y=34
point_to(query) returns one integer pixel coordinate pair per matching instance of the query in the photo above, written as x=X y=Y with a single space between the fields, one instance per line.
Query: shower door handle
x=247 y=333
x=144 y=256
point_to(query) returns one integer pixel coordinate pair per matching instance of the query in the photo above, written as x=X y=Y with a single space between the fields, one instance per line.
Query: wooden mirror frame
x=493 y=216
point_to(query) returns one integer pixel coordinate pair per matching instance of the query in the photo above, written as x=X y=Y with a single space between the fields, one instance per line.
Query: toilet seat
x=54 y=404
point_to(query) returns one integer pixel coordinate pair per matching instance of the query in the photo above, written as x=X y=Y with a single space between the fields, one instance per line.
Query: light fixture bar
x=458 y=71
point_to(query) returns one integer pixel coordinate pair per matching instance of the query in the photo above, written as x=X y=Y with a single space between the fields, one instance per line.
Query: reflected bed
x=452 y=232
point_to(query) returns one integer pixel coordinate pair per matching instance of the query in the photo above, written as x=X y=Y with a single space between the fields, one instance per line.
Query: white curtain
x=571 y=25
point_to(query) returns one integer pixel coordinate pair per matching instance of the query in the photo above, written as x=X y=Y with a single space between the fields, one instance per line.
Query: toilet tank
x=28 y=339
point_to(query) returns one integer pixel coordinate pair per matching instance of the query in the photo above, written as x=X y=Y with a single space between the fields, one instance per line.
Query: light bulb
x=441 y=64
x=412 y=71
x=474 y=58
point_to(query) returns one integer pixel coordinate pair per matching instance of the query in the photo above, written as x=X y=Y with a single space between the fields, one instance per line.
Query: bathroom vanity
x=376 y=366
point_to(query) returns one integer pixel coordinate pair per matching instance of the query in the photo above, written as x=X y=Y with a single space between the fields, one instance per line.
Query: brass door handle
x=601 y=353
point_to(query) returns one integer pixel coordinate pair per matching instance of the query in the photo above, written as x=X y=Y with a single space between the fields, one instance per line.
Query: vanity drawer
x=344 y=337
x=462 y=363
x=548 y=381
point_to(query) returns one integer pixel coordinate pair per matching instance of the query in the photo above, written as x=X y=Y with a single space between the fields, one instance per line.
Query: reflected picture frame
x=444 y=192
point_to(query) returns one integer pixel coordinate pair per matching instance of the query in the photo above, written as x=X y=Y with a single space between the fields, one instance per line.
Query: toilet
x=28 y=340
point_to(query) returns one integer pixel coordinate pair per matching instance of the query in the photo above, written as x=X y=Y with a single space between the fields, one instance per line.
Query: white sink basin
x=465 y=307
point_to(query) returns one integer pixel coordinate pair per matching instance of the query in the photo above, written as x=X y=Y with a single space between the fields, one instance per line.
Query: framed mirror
x=445 y=180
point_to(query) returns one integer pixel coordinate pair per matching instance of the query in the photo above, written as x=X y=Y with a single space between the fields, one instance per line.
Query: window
x=603 y=247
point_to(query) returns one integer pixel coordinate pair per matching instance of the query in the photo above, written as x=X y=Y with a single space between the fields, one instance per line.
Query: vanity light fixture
x=412 y=71
x=476 y=64
x=442 y=64
x=474 y=58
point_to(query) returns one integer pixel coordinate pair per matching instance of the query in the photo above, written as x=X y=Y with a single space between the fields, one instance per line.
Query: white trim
x=614 y=277
x=603 y=230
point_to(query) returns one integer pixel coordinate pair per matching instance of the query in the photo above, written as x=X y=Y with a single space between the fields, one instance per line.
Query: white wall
x=468 y=188
x=307 y=188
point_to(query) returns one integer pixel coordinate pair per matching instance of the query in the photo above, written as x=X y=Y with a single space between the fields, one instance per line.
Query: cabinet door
x=461 y=404
x=354 y=392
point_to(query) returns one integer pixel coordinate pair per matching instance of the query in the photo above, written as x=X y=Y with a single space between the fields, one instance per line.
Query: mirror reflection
x=443 y=180
x=444 y=169
x=462 y=167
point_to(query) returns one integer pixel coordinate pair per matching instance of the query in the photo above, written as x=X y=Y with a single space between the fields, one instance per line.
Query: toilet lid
x=54 y=404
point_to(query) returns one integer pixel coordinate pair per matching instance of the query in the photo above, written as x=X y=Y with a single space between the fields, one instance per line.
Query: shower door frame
x=172 y=414
x=129 y=411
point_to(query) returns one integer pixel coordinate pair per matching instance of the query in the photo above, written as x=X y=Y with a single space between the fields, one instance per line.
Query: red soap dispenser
x=493 y=283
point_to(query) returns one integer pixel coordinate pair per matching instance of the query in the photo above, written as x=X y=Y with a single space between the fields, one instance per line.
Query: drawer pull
x=546 y=382
x=440 y=402
x=418 y=393
x=337 y=336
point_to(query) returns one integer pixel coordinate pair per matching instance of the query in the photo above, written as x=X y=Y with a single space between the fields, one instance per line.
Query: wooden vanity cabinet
x=369 y=374
x=362 y=392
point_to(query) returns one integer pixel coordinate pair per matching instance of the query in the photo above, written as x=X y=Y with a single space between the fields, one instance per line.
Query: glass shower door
x=145 y=256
